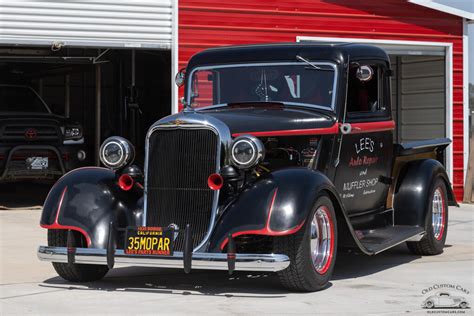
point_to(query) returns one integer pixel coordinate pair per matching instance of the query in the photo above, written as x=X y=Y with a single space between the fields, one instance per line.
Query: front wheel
x=436 y=223
x=74 y=272
x=312 y=250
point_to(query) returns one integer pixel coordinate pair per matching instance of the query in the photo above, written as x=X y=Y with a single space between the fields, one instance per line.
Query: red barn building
x=111 y=58
x=427 y=47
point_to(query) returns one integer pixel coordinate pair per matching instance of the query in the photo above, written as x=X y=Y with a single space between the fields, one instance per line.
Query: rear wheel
x=74 y=272
x=312 y=250
x=436 y=223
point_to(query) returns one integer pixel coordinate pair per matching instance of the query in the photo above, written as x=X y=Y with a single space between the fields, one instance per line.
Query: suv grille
x=179 y=164
x=30 y=132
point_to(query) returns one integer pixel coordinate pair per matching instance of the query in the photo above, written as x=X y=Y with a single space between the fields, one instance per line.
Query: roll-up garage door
x=99 y=23
x=418 y=97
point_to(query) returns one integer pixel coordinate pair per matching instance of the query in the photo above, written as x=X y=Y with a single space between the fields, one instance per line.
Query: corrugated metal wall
x=210 y=23
x=102 y=23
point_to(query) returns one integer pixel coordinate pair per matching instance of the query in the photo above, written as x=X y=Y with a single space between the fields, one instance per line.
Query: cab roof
x=337 y=52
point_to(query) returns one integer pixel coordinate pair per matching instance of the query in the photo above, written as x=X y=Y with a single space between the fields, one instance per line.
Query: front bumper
x=200 y=260
x=61 y=160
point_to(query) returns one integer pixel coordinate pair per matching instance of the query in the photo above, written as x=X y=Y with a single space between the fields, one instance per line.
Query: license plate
x=37 y=163
x=144 y=240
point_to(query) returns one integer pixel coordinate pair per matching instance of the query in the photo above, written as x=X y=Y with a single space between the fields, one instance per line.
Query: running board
x=380 y=239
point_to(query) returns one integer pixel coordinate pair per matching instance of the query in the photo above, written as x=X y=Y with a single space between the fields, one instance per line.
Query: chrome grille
x=180 y=161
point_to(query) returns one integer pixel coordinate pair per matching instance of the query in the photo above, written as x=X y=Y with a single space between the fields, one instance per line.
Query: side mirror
x=180 y=77
x=364 y=73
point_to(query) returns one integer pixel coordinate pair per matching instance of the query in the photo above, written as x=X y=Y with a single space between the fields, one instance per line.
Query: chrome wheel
x=322 y=240
x=438 y=214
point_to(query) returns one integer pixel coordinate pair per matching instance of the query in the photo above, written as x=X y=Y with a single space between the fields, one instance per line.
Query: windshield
x=294 y=83
x=20 y=99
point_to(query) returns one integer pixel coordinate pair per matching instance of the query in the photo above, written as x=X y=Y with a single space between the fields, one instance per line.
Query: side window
x=364 y=95
x=202 y=92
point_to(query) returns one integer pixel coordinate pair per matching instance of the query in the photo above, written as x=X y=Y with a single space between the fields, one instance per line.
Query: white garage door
x=99 y=23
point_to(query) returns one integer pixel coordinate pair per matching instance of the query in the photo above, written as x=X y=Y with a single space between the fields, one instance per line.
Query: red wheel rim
x=322 y=240
x=438 y=214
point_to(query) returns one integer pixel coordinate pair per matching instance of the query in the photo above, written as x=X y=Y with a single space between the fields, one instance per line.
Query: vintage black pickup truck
x=284 y=154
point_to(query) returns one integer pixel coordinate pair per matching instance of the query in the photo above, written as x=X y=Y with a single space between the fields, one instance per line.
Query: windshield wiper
x=312 y=64
x=308 y=62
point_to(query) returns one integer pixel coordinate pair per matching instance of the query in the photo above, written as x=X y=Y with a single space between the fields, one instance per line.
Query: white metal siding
x=99 y=23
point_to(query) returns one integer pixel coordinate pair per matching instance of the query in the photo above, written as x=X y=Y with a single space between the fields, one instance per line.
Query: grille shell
x=179 y=162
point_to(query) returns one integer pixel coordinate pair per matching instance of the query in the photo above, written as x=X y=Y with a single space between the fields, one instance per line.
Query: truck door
x=364 y=158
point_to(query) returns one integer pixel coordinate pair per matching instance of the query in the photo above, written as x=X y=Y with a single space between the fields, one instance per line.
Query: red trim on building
x=267 y=231
x=56 y=224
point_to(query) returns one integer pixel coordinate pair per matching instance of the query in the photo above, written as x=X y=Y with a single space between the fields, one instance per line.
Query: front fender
x=414 y=184
x=275 y=205
x=87 y=200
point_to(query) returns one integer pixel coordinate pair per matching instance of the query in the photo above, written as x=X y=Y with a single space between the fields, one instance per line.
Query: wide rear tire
x=436 y=223
x=310 y=270
x=74 y=272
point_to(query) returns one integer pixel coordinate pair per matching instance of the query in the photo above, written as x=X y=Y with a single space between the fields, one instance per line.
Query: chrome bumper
x=200 y=260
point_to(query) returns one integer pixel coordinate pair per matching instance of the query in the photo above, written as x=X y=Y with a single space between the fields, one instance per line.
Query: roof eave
x=444 y=8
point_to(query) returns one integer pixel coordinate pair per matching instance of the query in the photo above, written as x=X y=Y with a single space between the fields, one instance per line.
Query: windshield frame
x=299 y=63
x=48 y=110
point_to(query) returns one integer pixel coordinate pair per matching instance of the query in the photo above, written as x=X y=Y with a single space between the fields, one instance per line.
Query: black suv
x=34 y=142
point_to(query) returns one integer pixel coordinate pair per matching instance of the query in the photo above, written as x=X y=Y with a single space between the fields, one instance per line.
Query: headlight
x=246 y=151
x=116 y=152
x=72 y=132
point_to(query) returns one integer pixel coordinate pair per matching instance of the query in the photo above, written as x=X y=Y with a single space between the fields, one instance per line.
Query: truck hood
x=36 y=118
x=269 y=120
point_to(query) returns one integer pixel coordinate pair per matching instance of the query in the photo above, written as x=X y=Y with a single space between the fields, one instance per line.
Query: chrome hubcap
x=321 y=240
x=438 y=215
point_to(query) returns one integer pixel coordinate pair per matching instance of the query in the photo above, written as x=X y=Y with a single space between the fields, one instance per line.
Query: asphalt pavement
x=393 y=283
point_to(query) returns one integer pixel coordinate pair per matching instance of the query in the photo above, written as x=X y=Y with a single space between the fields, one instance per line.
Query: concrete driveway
x=394 y=282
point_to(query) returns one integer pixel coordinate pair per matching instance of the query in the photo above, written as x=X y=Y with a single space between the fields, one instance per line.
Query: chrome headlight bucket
x=116 y=152
x=246 y=151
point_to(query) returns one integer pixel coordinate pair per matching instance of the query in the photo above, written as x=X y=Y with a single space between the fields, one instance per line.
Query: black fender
x=413 y=186
x=87 y=200
x=276 y=204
